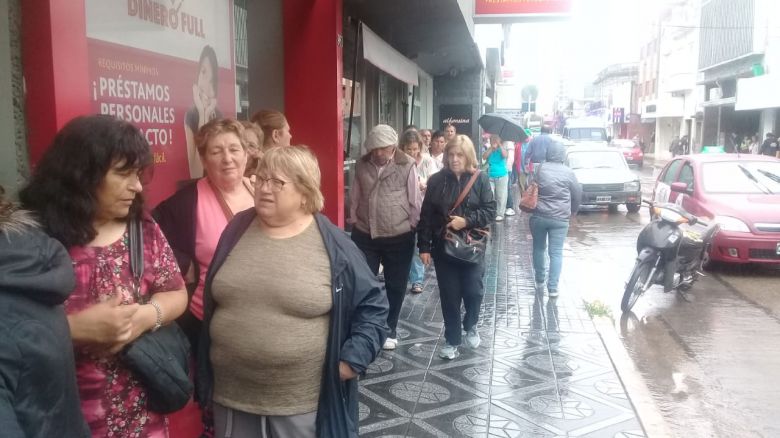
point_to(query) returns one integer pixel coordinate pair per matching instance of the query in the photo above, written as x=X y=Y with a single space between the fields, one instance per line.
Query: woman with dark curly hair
x=85 y=190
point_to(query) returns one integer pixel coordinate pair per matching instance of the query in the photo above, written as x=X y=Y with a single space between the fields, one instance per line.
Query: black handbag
x=158 y=359
x=466 y=246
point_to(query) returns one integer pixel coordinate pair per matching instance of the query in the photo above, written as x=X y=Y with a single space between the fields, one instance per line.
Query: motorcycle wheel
x=636 y=284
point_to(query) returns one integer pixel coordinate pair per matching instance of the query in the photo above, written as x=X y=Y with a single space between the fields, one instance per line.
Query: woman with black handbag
x=457 y=209
x=86 y=190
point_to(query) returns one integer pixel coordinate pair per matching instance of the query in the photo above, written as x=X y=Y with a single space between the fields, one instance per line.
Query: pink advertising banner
x=167 y=67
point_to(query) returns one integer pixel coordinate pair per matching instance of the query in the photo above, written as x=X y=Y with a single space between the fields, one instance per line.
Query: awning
x=758 y=93
x=726 y=101
x=386 y=58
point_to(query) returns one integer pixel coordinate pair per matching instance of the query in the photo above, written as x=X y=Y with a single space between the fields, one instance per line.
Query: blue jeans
x=417 y=273
x=548 y=236
x=510 y=199
x=499 y=187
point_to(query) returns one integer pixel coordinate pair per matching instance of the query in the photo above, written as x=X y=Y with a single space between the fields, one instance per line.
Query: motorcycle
x=672 y=251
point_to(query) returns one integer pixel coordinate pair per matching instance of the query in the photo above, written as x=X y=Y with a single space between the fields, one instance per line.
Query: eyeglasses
x=276 y=184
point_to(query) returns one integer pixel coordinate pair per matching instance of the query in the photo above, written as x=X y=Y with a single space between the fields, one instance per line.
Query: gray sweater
x=559 y=191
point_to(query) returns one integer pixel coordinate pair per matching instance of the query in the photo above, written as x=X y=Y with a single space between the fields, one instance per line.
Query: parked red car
x=631 y=151
x=740 y=192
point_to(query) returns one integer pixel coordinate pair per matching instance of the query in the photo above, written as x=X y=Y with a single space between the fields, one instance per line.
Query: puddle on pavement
x=712 y=365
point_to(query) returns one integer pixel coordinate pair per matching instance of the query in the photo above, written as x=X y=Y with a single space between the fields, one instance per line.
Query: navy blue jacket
x=38 y=391
x=537 y=149
x=358 y=324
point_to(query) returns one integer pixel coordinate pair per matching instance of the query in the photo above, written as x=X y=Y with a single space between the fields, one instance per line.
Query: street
x=712 y=365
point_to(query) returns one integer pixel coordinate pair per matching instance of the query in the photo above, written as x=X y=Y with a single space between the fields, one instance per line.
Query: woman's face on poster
x=205 y=81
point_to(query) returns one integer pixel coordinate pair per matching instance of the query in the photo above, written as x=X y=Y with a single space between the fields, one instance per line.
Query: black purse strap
x=465 y=191
x=136 y=247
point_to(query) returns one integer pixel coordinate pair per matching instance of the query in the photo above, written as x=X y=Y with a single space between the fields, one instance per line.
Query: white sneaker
x=390 y=344
x=472 y=339
x=499 y=218
x=509 y=212
x=448 y=352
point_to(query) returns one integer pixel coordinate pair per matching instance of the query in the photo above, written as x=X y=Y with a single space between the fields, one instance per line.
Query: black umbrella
x=503 y=127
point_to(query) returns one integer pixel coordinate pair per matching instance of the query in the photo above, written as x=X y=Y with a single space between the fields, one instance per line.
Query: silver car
x=605 y=177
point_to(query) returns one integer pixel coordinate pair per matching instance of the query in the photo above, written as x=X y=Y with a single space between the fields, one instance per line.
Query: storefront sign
x=618 y=115
x=458 y=116
x=757 y=93
x=521 y=8
x=167 y=67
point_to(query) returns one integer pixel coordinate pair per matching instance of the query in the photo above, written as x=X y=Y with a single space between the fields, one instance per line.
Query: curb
x=646 y=410
x=658 y=164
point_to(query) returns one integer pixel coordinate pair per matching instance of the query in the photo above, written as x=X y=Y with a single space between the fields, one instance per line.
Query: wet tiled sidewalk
x=541 y=370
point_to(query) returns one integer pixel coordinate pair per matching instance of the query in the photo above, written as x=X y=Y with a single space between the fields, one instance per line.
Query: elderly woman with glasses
x=280 y=352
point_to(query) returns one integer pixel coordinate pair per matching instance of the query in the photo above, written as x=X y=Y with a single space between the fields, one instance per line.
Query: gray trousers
x=231 y=423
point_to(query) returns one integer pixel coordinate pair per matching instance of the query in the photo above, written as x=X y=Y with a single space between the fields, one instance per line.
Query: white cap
x=380 y=136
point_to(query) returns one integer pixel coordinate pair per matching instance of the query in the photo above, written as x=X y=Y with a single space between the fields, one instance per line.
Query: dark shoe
x=417 y=288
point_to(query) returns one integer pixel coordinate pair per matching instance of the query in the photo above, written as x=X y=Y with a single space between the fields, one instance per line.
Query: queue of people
x=273 y=354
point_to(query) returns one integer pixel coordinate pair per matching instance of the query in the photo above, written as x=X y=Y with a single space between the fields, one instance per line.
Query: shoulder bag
x=530 y=195
x=159 y=359
x=466 y=246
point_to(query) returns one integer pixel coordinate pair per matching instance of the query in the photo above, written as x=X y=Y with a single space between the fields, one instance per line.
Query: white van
x=586 y=132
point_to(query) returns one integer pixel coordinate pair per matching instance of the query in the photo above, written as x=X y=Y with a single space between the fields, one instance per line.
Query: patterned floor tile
x=486 y=421
x=540 y=371
x=605 y=387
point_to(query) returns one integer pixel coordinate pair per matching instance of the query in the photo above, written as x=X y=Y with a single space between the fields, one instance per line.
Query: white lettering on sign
x=454 y=120
x=164 y=16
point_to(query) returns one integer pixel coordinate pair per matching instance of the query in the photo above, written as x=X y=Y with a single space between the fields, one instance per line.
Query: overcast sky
x=598 y=33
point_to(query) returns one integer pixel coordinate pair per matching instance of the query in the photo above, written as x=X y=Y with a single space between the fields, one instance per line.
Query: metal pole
x=411 y=108
x=354 y=83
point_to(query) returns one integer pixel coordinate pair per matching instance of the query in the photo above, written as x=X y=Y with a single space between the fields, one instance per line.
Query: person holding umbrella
x=506 y=130
x=502 y=126
x=496 y=156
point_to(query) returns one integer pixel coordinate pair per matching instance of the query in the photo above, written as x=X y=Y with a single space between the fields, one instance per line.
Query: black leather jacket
x=443 y=189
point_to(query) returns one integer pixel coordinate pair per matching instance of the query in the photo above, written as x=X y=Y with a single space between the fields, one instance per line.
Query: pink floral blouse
x=112 y=400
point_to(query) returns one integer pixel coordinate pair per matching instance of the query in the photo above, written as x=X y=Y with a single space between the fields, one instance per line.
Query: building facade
x=301 y=57
x=668 y=93
x=614 y=89
x=737 y=58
